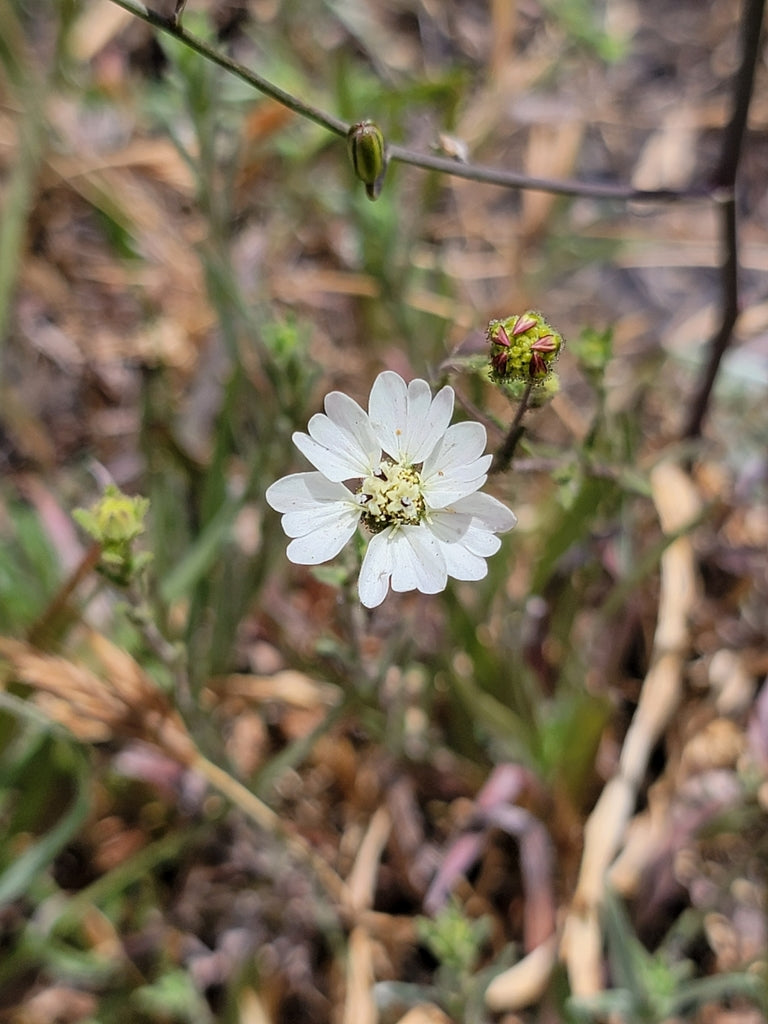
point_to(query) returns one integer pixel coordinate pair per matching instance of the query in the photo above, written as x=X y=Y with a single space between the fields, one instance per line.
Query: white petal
x=373 y=583
x=324 y=544
x=480 y=541
x=320 y=518
x=407 y=420
x=488 y=511
x=418 y=402
x=387 y=407
x=417 y=561
x=463 y=564
x=341 y=444
x=448 y=525
x=320 y=514
x=456 y=468
x=467 y=533
x=465 y=543
x=304 y=490
x=455 y=528
x=353 y=421
x=426 y=428
x=461 y=445
x=441 y=493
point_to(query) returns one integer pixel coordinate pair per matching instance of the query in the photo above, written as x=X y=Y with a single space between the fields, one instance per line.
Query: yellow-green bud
x=115 y=521
x=368 y=153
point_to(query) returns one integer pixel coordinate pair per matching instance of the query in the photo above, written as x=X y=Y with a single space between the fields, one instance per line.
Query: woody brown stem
x=41 y=631
x=504 y=455
x=724 y=191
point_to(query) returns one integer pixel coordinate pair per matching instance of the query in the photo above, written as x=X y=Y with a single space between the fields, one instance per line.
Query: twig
x=41 y=632
x=503 y=456
x=173 y=28
x=724 y=191
x=563 y=187
x=472 y=172
x=718 y=345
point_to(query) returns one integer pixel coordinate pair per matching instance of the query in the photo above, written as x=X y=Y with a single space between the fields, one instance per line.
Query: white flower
x=407 y=477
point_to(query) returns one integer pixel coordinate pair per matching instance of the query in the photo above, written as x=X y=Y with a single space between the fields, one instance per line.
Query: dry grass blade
x=362 y=878
x=523 y=983
x=677 y=504
x=425 y=1013
x=360 y=1007
x=126 y=704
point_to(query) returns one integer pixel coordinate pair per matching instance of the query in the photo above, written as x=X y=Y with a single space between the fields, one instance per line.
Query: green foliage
x=28 y=568
x=650 y=988
x=581 y=23
x=172 y=997
x=594 y=349
x=44 y=797
x=456 y=941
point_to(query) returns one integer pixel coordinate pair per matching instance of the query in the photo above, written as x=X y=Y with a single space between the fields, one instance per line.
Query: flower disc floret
x=393 y=495
x=407 y=477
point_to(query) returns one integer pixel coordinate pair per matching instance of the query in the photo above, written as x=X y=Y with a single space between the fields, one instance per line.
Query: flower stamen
x=392 y=495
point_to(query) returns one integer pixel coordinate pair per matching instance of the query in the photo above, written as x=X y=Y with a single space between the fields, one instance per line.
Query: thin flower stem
x=472 y=172
x=173 y=28
x=564 y=187
x=504 y=455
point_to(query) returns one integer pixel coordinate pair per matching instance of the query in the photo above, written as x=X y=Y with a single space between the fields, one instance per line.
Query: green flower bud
x=368 y=153
x=114 y=522
x=523 y=349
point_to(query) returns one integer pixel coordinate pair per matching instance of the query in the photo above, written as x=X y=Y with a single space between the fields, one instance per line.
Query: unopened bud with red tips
x=524 y=348
x=368 y=153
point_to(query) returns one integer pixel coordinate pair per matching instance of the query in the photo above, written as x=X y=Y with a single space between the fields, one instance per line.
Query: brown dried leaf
x=125 y=704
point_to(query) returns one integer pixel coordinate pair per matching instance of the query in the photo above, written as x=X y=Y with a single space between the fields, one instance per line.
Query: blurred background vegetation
x=186 y=268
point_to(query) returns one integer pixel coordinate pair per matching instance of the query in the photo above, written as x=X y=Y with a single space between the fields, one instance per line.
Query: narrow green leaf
x=17 y=878
x=201 y=555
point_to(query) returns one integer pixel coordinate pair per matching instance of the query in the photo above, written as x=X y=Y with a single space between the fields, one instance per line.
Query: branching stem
x=472 y=172
x=174 y=28
x=721 y=187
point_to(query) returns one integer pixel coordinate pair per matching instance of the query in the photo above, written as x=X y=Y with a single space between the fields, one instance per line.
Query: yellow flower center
x=393 y=495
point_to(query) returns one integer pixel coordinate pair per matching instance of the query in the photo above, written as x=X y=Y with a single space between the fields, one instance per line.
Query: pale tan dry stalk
x=678 y=505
